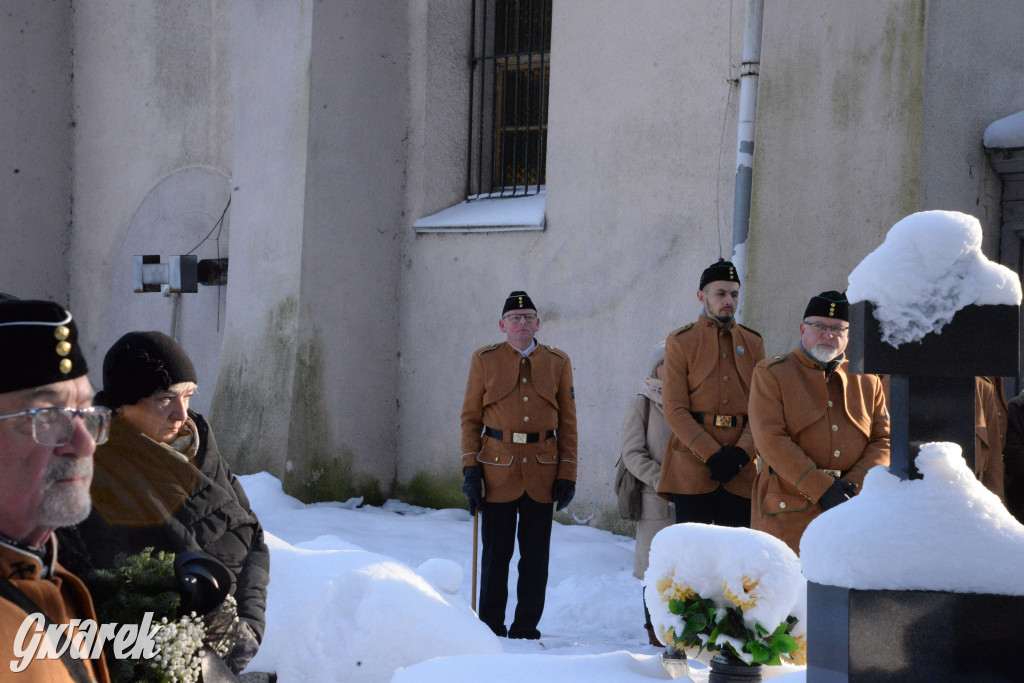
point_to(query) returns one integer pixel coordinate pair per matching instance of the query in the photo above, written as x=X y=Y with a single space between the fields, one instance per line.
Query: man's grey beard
x=66 y=505
x=724 y=319
x=823 y=354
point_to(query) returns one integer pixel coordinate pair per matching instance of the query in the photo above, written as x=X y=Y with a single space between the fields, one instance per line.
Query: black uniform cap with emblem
x=141 y=363
x=830 y=304
x=38 y=344
x=517 y=301
x=722 y=270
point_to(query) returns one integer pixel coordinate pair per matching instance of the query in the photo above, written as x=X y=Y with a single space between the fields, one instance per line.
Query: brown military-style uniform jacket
x=707 y=371
x=989 y=432
x=60 y=596
x=806 y=424
x=516 y=396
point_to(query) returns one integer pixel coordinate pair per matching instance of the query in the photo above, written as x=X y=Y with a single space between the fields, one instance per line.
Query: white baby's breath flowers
x=179 y=649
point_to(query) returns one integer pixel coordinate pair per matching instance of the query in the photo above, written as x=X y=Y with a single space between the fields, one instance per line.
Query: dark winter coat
x=145 y=496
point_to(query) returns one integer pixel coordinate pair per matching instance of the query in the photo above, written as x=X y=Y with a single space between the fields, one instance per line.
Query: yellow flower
x=669 y=589
x=748 y=599
x=799 y=655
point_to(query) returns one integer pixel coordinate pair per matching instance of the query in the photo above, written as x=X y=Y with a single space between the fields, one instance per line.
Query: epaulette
x=488 y=348
x=775 y=360
x=682 y=329
x=555 y=351
x=750 y=329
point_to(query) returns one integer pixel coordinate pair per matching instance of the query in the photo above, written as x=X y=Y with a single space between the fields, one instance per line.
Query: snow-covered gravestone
x=933 y=314
x=929 y=310
x=916 y=580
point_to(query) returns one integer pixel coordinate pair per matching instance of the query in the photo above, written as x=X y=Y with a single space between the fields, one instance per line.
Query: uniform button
x=725 y=401
x=830 y=404
x=524 y=459
x=725 y=355
x=495 y=458
x=523 y=361
x=835 y=453
x=526 y=398
x=782 y=504
x=721 y=333
x=524 y=380
x=835 y=428
x=725 y=378
x=526 y=418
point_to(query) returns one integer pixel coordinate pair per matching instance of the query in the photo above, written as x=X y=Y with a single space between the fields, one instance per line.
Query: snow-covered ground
x=380 y=594
x=358 y=593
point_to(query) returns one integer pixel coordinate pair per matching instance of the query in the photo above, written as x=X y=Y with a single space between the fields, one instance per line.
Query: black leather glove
x=839 y=492
x=473 y=487
x=563 y=492
x=726 y=463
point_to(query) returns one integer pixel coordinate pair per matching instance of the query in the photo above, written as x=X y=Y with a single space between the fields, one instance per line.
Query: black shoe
x=524 y=634
x=499 y=630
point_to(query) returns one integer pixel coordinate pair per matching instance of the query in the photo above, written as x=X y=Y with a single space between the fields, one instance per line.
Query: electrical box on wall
x=181 y=274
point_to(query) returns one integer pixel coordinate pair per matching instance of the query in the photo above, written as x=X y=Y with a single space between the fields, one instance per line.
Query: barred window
x=511 y=43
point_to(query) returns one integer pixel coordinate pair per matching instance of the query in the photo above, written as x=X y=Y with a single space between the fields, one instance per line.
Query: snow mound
x=1006 y=133
x=732 y=567
x=353 y=615
x=945 y=532
x=612 y=667
x=928 y=268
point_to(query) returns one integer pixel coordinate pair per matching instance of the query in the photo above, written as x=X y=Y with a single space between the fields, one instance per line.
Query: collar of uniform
x=527 y=352
x=811 y=362
x=718 y=323
x=13 y=560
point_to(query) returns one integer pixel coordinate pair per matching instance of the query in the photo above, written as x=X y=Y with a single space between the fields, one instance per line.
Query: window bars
x=508 y=97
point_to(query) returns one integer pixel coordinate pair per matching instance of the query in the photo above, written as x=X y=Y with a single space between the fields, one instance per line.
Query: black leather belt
x=519 y=437
x=720 y=420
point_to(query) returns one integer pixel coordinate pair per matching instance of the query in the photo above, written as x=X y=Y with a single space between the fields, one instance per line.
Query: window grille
x=508 y=87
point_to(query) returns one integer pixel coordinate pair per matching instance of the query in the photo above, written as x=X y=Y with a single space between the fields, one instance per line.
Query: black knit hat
x=38 y=345
x=830 y=304
x=516 y=301
x=721 y=270
x=140 y=364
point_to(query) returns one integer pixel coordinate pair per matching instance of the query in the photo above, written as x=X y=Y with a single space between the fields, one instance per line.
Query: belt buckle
x=723 y=420
x=835 y=474
x=518 y=437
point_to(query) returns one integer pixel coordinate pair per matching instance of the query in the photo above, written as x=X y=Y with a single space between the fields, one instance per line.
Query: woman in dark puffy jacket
x=160 y=481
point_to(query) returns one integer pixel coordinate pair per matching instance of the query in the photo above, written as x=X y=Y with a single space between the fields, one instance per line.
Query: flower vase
x=728 y=668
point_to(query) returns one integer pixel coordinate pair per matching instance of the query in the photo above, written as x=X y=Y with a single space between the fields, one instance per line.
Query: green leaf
x=759 y=652
x=784 y=643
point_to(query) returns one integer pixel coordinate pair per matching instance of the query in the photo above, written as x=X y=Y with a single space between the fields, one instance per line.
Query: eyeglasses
x=836 y=330
x=521 y=317
x=55 y=425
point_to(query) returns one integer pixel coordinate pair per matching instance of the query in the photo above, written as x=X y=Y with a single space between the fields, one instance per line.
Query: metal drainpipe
x=749 y=72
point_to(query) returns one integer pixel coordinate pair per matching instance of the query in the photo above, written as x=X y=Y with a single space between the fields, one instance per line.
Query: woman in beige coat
x=644 y=439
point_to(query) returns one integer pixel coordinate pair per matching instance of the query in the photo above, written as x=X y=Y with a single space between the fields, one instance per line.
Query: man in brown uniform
x=989 y=432
x=707 y=469
x=518 y=443
x=48 y=432
x=818 y=428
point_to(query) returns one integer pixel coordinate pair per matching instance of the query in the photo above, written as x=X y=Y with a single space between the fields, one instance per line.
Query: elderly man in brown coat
x=707 y=470
x=48 y=432
x=518 y=457
x=817 y=427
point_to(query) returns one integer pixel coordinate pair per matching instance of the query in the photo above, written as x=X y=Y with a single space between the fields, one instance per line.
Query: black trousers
x=718 y=507
x=499 y=535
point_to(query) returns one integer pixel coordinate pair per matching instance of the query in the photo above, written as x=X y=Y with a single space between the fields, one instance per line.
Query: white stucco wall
x=837 y=159
x=35 y=153
x=975 y=76
x=636 y=161
x=152 y=154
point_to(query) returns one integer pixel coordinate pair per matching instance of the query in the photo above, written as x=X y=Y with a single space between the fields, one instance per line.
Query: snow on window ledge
x=490 y=214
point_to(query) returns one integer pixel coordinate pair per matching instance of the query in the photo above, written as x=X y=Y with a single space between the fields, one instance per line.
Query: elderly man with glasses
x=518 y=458
x=48 y=432
x=817 y=428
